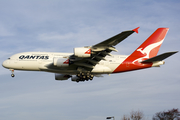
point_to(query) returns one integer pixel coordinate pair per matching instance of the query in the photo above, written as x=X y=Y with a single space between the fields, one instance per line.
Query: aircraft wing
x=116 y=39
x=100 y=50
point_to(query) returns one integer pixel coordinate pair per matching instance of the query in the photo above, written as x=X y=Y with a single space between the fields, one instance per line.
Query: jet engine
x=62 y=76
x=82 y=52
x=61 y=62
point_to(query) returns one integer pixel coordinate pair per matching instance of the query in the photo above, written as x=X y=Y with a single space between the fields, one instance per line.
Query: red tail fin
x=145 y=51
x=151 y=46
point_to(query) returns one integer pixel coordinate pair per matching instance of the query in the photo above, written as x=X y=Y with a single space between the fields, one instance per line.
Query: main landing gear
x=84 y=76
x=12 y=71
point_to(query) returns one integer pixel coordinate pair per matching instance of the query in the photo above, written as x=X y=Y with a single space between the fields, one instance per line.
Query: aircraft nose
x=5 y=64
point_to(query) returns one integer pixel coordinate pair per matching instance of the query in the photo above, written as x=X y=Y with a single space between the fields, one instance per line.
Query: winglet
x=136 y=29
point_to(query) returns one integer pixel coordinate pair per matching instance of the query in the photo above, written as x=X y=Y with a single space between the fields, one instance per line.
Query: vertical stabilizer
x=146 y=50
x=151 y=46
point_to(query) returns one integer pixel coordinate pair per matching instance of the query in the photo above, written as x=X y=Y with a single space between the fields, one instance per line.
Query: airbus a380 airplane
x=87 y=62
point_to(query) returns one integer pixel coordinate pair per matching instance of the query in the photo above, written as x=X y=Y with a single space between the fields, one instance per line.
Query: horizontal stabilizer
x=159 y=57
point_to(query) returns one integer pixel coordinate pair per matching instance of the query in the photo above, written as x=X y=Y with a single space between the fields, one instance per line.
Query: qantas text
x=33 y=57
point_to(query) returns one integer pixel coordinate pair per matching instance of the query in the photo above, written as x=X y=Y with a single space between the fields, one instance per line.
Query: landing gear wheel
x=12 y=75
x=78 y=75
x=84 y=76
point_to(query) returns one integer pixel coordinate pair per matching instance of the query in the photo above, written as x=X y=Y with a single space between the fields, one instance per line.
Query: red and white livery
x=87 y=62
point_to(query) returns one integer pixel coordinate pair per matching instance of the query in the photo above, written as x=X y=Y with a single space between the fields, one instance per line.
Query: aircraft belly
x=109 y=65
x=101 y=69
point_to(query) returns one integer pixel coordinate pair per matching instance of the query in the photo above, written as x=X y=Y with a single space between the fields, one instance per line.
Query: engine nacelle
x=61 y=62
x=61 y=76
x=82 y=52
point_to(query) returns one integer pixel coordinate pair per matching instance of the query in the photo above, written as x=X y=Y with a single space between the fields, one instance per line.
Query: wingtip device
x=136 y=29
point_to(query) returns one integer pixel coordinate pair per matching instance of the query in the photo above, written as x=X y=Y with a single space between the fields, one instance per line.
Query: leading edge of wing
x=116 y=39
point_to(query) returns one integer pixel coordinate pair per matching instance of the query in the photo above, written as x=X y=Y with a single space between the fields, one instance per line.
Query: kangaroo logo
x=140 y=50
x=146 y=51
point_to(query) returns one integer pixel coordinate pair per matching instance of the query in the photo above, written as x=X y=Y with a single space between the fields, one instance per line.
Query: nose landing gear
x=12 y=71
x=12 y=75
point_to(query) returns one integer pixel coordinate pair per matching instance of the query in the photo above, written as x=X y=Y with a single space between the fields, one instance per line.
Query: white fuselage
x=43 y=61
x=89 y=61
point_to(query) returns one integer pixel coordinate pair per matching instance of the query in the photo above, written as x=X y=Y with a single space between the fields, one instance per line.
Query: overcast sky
x=61 y=25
